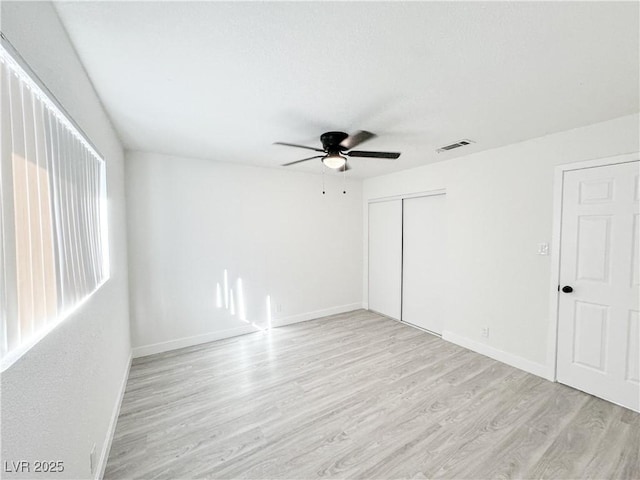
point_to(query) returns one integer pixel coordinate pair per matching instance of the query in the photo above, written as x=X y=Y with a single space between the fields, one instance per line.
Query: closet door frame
x=402 y=197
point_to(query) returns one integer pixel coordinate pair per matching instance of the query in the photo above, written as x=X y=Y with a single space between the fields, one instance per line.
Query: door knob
x=567 y=289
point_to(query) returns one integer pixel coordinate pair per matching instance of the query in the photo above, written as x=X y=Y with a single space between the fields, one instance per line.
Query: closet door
x=424 y=262
x=385 y=257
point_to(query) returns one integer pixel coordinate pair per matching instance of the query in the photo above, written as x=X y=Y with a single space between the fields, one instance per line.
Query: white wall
x=59 y=399
x=499 y=207
x=189 y=220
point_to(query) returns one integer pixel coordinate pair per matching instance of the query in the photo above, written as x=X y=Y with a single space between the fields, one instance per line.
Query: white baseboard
x=106 y=447
x=303 y=317
x=160 y=347
x=505 y=357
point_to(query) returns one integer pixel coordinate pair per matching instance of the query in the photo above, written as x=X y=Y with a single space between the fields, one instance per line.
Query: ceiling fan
x=336 y=146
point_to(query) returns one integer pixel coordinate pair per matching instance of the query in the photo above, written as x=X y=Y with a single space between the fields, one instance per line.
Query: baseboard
x=160 y=347
x=106 y=448
x=303 y=317
x=500 y=355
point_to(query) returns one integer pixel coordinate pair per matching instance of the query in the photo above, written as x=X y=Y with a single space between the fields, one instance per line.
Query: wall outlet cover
x=543 y=249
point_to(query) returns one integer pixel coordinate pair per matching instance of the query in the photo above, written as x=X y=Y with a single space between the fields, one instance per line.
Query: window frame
x=9 y=314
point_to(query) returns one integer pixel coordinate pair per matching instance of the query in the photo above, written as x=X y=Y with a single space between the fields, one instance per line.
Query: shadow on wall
x=232 y=300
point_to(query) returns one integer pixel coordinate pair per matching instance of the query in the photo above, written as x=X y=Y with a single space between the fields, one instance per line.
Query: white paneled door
x=424 y=262
x=385 y=257
x=598 y=331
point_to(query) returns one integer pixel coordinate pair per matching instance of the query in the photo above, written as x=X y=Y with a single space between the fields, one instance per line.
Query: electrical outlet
x=543 y=249
x=485 y=332
x=92 y=459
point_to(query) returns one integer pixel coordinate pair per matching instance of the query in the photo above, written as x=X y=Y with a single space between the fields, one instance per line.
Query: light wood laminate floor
x=360 y=396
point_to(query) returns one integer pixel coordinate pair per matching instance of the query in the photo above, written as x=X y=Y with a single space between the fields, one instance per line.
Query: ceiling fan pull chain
x=344 y=179
x=323 y=168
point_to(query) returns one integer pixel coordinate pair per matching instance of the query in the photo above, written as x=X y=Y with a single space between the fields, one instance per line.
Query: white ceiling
x=226 y=80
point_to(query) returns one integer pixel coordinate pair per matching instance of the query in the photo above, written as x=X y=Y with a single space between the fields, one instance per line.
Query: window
x=53 y=230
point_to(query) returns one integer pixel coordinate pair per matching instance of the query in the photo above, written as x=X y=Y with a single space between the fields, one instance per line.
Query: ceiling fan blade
x=299 y=146
x=356 y=139
x=364 y=153
x=303 y=160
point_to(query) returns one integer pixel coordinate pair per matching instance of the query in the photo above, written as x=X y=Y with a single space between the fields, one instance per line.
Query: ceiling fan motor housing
x=331 y=141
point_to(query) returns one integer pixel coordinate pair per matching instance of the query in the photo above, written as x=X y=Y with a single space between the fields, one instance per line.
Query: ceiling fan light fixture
x=334 y=160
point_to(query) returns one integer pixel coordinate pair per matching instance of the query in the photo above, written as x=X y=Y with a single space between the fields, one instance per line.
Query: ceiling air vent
x=459 y=144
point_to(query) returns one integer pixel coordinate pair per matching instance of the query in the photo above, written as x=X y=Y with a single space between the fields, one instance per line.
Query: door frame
x=402 y=196
x=556 y=236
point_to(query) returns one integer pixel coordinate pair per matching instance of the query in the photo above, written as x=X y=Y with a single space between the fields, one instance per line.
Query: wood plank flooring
x=359 y=396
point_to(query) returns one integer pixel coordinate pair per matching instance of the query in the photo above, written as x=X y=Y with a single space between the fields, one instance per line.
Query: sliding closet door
x=385 y=257
x=424 y=258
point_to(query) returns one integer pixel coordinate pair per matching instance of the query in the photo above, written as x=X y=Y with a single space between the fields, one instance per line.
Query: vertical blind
x=53 y=235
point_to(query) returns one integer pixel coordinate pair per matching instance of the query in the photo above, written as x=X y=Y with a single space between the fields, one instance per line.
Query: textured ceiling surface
x=224 y=80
